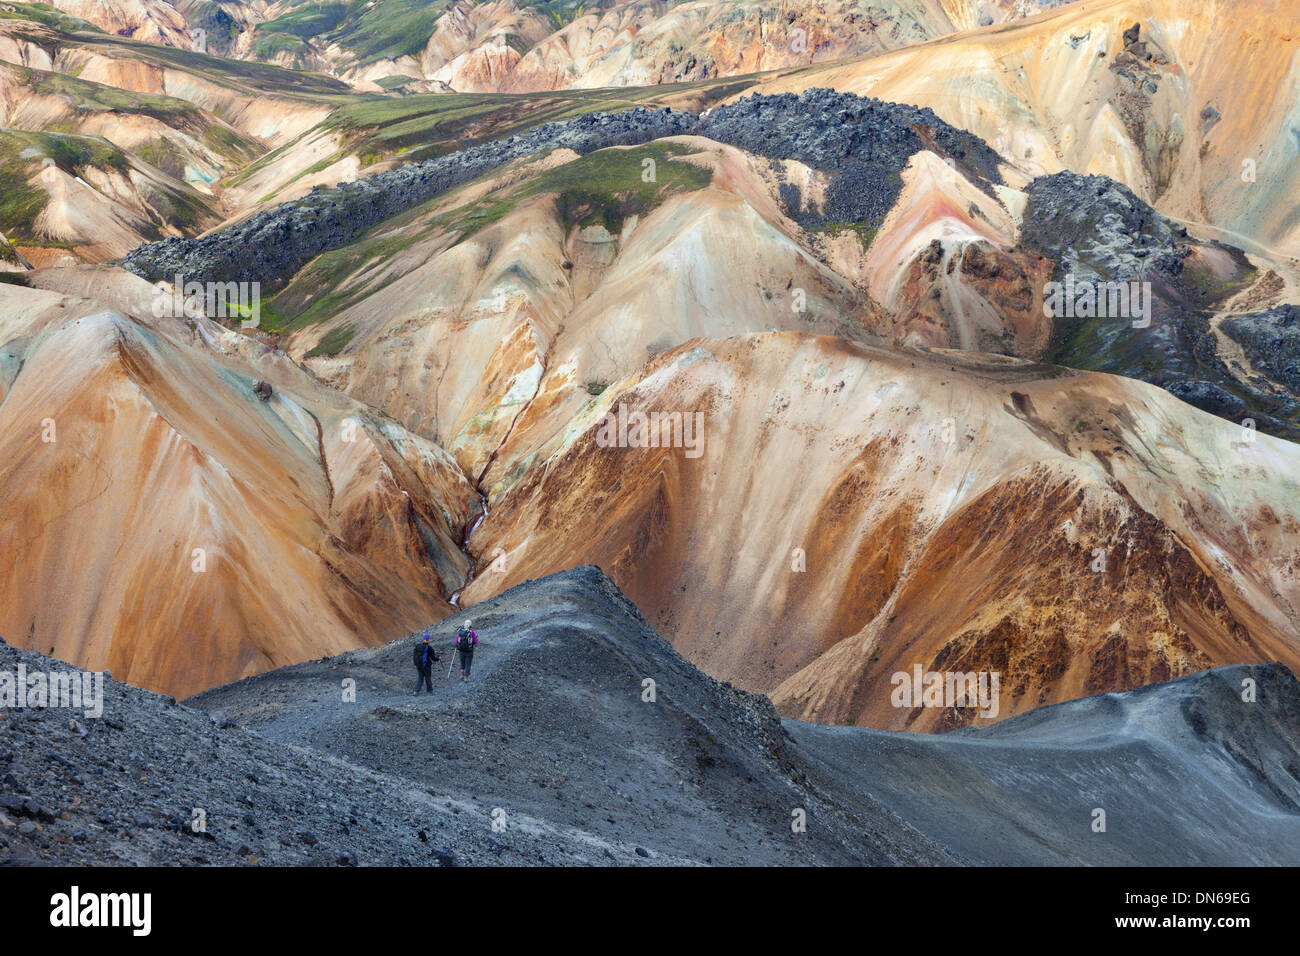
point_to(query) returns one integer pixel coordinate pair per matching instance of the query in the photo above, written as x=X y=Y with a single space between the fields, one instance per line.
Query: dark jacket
x=420 y=660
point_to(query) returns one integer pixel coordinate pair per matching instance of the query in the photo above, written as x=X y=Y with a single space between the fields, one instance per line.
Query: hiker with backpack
x=424 y=657
x=466 y=639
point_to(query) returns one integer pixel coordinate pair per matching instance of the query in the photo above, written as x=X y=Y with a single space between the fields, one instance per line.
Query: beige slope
x=1043 y=93
x=313 y=159
x=106 y=204
x=942 y=266
x=149 y=21
x=510 y=46
x=246 y=134
x=320 y=526
x=645 y=43
x=969 y=554
x=269 y=109
x=77 y=213
x=160 y=22
x=103 y=213
x=274 y=120
x=470 y=49
x=454 y=338
x=170 y=132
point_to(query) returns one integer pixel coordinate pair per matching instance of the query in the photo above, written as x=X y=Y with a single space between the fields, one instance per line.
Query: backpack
x=420 y=651
x=464 y=641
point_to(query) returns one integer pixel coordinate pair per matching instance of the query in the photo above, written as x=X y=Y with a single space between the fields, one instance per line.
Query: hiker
x=466 y=639
x=425 y=655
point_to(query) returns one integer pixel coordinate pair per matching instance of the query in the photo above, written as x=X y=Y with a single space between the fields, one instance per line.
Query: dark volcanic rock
x=562 y=757
x=1209 y=397
x=552 y=738
x=863 y=143
x=1271 y=340
x=1096 y=228
x=1175 y=766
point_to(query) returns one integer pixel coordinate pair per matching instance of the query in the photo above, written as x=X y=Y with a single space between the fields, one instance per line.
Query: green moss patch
x=603 y=188
x=334 y=342
x=866 y=235
x=46 y=16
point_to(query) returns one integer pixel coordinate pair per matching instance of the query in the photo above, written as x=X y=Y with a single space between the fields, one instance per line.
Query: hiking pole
x=451 y=665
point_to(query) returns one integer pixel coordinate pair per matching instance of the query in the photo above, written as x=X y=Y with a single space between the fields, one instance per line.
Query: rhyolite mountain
x=841 y=264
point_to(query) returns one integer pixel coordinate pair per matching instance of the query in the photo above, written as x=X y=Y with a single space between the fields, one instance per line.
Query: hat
x=469 y=623
x=426 y=637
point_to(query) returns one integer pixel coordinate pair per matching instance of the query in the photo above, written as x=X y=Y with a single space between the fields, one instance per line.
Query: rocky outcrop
x=863 y=144
x=1042 y=92
x=1096 y=228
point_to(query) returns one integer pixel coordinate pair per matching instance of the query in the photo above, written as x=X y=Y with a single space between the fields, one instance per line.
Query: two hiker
x=463 y=644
